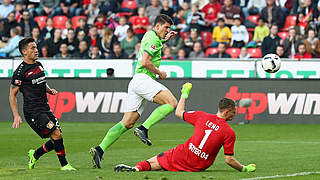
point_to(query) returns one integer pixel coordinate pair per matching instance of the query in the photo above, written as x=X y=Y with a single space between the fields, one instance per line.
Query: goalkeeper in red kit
x=211 y=132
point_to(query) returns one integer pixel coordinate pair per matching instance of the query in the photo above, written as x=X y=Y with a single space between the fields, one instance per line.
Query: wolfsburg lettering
x=198 y=152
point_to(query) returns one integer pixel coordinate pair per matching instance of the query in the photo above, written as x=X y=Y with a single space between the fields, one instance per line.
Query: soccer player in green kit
x=142 y=88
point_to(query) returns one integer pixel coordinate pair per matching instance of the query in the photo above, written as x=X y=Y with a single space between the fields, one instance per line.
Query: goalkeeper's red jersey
x=199 y=151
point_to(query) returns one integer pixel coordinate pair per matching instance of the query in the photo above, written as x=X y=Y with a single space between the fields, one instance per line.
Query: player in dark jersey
x=198 y=153
x=29 y=79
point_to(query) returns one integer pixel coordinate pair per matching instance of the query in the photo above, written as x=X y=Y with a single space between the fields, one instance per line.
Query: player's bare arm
x=182 y=102
x=233 y=162
x=51 y=91
x=180 y=108
x=146 y=62
x=14 y=106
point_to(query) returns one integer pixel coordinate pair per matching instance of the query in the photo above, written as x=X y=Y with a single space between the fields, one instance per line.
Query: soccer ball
x=271 y=63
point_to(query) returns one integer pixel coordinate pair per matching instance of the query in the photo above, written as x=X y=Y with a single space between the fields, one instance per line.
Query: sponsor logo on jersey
x=29 y=73
x=17 y=82
x=39 y=80
x=152 y=47
x=50 y=125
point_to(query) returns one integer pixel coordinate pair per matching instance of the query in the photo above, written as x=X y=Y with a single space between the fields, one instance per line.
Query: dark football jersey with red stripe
x=32 y=82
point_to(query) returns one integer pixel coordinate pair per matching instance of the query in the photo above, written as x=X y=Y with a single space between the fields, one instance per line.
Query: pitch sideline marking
x=286 y=175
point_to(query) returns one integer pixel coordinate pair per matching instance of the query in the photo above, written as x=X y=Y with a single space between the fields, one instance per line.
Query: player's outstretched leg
x=112 y=136
x=151 y=164
x=60 y=151
x=34 y=155
x=168 y=102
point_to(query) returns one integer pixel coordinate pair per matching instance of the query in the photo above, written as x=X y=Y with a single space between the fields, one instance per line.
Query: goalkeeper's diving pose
x=211 y=132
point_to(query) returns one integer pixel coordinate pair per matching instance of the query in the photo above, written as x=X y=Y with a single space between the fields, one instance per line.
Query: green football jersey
x=152 y=44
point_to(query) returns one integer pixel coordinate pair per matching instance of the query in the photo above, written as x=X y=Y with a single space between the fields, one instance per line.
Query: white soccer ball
x=271 y=63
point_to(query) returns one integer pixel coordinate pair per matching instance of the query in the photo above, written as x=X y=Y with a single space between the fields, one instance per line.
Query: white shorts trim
x=142 y=88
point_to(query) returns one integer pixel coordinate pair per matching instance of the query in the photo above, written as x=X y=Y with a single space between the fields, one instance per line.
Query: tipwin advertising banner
x=273 y=101
x=175 y=69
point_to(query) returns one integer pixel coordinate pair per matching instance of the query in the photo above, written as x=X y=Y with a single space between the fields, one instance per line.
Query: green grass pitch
x=276 y=150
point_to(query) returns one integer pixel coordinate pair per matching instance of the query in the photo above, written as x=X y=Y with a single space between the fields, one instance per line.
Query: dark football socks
x=47 y=147
x=60 y=151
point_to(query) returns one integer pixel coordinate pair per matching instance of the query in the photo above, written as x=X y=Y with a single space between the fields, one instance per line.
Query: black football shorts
x=43 y=123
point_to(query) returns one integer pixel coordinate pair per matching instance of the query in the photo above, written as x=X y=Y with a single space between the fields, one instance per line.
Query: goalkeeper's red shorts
x=173 y=160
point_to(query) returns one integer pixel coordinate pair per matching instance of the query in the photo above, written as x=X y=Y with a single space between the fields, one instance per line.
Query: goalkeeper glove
x=186 y=90
x=249 y=168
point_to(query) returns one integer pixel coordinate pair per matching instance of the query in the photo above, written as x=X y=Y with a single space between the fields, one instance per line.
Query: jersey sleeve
x=228 y=144
x=191 y=116
x=150 y=45
x=17 y=77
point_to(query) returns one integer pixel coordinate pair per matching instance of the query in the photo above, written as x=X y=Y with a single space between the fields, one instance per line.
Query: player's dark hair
x=24 y=43
x=280 y=46
x=220 y=19
x=226 y=103
x=222 y=43
x=14 y=30
x=116 y=44
x=131 y=30
x=94 y=46
x=110 y=71
x=274 y=25
x=25 y=11
x=260 y=18
x=301 y=44
x=163 y=18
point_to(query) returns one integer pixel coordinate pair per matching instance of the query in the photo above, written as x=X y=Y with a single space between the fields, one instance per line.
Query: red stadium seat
x=75 y=21
x=129 y=4
x=211 y=51
x=234 y=52
x=283 y=35
x=59 y=22
x=250 y=36
x=255 y=52
x=184 y=35
x=253 y=18
x=290 y=21
x=42 y=21
x=207 y=39
x=132 y=19
x=124 y=14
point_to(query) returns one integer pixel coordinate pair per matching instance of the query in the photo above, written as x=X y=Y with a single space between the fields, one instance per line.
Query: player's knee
x=173 y=103
x=128 y=124
x=56 y=135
